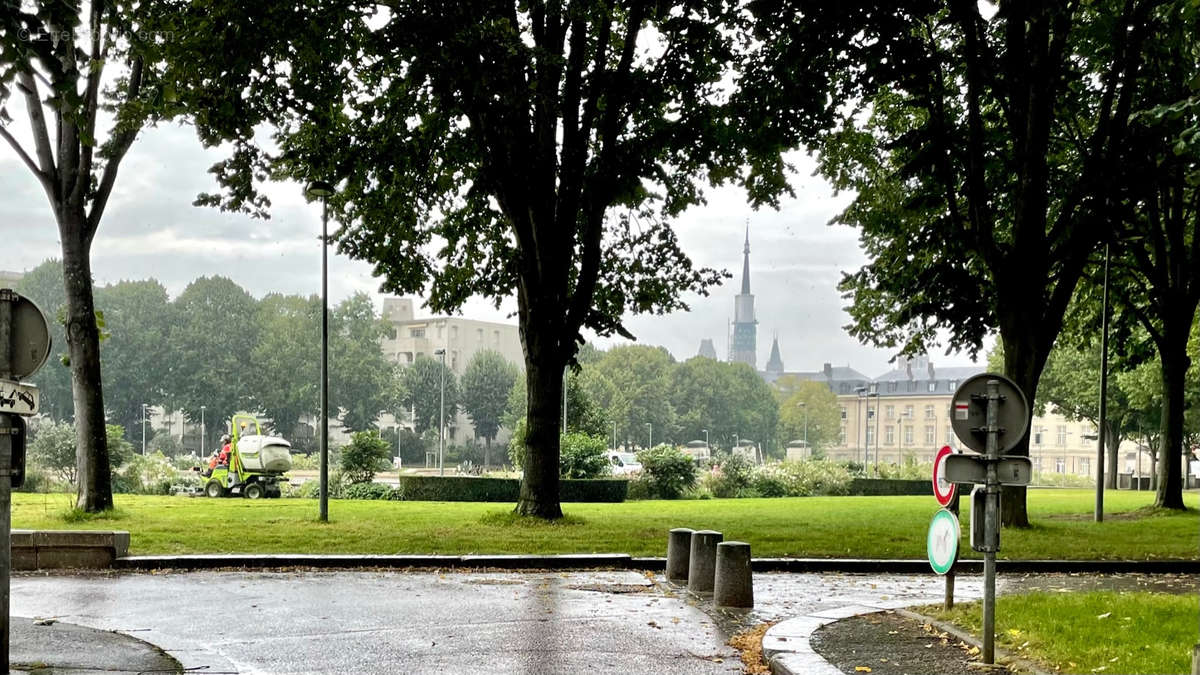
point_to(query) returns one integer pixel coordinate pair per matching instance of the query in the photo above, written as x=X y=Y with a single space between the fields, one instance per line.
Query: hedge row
x=470 y=489
x=890 y=487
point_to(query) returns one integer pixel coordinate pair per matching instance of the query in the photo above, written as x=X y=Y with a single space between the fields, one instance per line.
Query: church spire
x=746 y=263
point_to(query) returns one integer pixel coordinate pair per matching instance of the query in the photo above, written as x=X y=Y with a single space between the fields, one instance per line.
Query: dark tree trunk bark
x=1024 y=358
x=539 y=485
x=83 y=346
x=1174 y=359
x=487 y=452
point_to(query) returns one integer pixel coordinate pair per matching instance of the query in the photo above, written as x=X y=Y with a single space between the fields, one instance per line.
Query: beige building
x=461 y=338
x=906 y=413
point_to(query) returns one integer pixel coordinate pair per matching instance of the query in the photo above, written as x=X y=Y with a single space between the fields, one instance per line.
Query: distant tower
x=775 y=362
x=743 y=345
x=707 y=350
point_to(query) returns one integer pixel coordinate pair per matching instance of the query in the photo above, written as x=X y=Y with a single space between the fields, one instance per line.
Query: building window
x=453 y=332
x=929 y=414
x=870 y=436
x=908 y=412
x=496 y=338
x=1060 y=465
x=1037 y=464
x=932 y=386
x=1085 y=466
x=843 y=412
x=1062 y=436
x=889 y=436
x=952 y=385
x=930 y=434
x=874 y=388
x=950 y=436
x=912 y=385
x=1037 y=437
x=892 y=386
x=889 y=412
x=908 y=436
x=416 y=332
x=844 y=388
x=842 y=437
x=479 y=335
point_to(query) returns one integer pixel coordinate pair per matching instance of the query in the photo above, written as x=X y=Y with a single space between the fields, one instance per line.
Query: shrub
x=516 y=445
x=769 y=482
x=814 y=477
x=363 y=456
x=146 y=475
x=369 y=491
x=311 y=489
x=306 y=462
x=52 y=449
x=668 y=471
x=731 y=478
x=583 y=456
x=639 y=488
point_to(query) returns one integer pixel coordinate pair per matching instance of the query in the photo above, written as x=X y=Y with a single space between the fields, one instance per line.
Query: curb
x=787 y=646
x=625 y=561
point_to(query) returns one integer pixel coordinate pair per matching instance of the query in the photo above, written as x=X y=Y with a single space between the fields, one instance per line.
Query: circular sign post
x=943 y=489
x=942 y=543
x=968 y=413
x=30 y=335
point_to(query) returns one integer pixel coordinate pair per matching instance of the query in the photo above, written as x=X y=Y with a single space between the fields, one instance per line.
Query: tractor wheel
x=253 y=491
x=214 y=489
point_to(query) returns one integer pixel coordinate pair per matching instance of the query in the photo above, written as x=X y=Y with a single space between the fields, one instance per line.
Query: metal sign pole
x=6 y=439
x=991 y=522
x=948 y=603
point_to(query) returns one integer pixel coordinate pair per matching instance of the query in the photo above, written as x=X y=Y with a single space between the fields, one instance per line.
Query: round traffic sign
x=968 y=413
x=942 y=543
x=30 y=335
x=943 y=489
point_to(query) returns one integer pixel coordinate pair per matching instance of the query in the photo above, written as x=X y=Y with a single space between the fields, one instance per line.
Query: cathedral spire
x=746 y=263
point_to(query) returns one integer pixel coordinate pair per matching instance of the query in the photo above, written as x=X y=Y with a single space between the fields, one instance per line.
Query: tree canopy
x=537 y=149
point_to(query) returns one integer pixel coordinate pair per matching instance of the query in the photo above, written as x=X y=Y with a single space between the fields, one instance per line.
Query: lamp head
x=319 y=188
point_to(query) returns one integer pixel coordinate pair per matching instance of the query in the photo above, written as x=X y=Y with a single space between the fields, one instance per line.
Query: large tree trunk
x=539 y=485
x=83 y=346
x=1024 y=359
x=540 y=325
x=1174 y=359
x=487 y=452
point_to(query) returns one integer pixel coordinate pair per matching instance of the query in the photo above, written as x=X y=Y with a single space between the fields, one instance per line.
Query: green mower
x=256 y=463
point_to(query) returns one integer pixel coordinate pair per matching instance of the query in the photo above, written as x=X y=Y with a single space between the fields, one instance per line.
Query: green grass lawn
x=1092 y=632
x=872 y=527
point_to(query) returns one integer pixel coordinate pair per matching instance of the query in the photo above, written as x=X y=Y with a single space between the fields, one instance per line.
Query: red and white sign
x=962 y=410
x=943 y=489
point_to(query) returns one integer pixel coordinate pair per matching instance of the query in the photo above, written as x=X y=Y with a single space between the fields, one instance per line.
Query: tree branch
x=41 y=136
x=46 y=181
x=119 y=145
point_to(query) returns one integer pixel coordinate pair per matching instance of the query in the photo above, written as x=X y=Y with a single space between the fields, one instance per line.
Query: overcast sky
x=151 y=230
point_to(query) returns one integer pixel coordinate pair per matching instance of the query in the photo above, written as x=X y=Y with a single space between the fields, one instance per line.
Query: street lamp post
x=143 y=429
x=650 y=426
x=203 y=435
x=705 y=432
x=442 y=413
x=858 y=436
x=1099 y=515
x=877 y=434
x=319 y=188
x=804 y=407
x=614 y=436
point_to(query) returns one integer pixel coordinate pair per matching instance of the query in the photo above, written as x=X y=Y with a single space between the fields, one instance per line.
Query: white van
x=624 y=463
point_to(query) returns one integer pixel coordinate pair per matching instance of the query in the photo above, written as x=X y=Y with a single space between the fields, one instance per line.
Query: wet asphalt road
x=453 y=622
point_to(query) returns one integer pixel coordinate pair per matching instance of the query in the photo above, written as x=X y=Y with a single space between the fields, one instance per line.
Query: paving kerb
x=654 y=564
x=787 y=646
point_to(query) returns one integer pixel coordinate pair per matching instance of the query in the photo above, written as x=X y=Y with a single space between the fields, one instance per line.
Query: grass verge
x=1130 y=632
x=868 y=527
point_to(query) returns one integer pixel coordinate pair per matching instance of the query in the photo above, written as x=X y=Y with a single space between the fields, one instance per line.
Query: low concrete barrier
x=70 y=549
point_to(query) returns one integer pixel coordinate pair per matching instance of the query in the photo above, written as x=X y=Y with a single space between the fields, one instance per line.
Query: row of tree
x=541 y=150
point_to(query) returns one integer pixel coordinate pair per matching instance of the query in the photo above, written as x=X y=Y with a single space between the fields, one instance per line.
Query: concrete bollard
x=679 y=547
x=734 y=583
x=702 y=561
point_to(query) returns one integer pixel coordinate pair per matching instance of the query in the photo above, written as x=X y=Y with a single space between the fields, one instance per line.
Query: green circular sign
x=941 y=545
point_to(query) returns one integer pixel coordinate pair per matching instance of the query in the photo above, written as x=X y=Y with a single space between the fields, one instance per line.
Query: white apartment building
x=461 y=338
